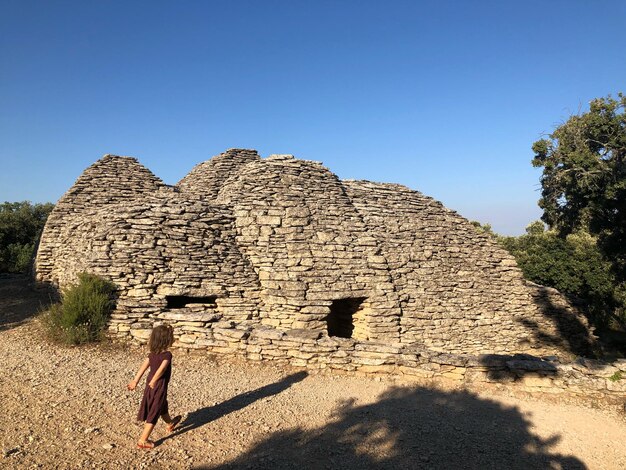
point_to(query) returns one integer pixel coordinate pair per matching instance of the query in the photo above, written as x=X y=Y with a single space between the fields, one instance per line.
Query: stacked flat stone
x=309 y=247
x=109 y=181
x=261 y=252
x=207 y=178
x=152 y=244
x=458 y=285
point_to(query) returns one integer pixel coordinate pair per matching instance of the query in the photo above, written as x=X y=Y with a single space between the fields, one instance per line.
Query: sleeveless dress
x=154 y=401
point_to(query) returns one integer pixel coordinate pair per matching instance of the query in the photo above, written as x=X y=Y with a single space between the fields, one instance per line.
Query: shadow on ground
x=19 y=301
x=205 y=415
x=412 y=428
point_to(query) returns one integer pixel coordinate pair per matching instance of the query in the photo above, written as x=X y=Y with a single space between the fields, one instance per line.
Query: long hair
x=161 y=338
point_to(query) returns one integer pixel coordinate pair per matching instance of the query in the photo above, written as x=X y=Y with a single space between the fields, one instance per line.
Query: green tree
x=584 y=177
x=21 y=224
x=483 y=228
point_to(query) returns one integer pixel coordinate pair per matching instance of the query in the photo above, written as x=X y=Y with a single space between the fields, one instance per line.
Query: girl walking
x=154 y=402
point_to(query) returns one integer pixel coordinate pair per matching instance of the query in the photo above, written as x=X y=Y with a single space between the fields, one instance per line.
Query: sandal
x=172 y=426
x=145 y=445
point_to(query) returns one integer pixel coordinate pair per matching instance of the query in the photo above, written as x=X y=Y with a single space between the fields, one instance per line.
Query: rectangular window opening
x=340 y=320
x=181 y=301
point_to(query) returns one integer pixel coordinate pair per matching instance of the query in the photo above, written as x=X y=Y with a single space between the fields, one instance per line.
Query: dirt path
x=68 y=408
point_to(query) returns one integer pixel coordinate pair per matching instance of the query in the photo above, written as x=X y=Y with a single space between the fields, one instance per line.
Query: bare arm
x=159 y=373
x=144 y=366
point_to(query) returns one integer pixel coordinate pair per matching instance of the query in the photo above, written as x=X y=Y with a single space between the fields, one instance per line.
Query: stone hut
x=277 y=258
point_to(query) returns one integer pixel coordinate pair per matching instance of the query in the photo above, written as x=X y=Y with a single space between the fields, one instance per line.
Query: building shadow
x=207 y=414
x=510 y=367
x=572 y=334
x=412 y=428
x=19 y=302
x=613 y=343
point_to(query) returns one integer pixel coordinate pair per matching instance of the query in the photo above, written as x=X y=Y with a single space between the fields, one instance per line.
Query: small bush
x=83 y=312
x=616 y=376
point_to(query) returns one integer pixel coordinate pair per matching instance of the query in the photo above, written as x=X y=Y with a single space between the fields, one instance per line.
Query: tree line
x=21 y=224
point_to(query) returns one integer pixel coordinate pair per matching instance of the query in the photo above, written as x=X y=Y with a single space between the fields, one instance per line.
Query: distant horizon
x=444 y=98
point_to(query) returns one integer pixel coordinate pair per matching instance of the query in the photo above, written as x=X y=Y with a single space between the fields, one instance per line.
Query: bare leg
x=172 y=423
x=145 y=435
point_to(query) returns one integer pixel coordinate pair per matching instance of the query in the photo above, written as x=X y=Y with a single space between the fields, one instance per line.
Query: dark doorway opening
x=340 y=320
x=181 y=301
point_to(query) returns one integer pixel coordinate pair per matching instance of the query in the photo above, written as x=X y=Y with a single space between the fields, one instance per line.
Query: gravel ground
x=68 y=407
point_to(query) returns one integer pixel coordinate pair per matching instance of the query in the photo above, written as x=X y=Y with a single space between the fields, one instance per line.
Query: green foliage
x=21 y=224
x=20 y=257
x=83 y=312
x=483 y=228
x=536 y=228
x=574 y=265
x=584 y=177
x=616 y=376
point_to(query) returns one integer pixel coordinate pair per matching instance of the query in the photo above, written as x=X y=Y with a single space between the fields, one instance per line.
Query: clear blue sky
x=445 y=97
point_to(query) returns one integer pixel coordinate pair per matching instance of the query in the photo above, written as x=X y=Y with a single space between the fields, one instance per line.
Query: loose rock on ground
x=68 y=407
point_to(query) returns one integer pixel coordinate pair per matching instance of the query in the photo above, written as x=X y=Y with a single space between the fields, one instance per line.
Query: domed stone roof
x=282 y=243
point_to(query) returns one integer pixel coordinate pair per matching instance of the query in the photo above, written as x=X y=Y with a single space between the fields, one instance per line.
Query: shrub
x=574 y=265
x=83 y=312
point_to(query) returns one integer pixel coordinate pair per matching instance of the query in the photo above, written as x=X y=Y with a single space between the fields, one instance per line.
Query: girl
x=154 y=402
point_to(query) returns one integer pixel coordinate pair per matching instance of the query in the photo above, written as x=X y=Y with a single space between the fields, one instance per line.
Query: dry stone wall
x=454 y=283
x=310 y=248
x=110 y=180
x=175 y=262
x=277 y=259
x=207 y=178
x=587 y=379
x=170 y=256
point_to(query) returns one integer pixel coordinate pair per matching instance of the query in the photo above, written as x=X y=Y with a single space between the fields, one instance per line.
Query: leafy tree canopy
x=21 y=224
x=584 y=177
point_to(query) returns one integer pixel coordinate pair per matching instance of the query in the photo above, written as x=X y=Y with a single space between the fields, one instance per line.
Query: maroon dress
x=154 y=401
